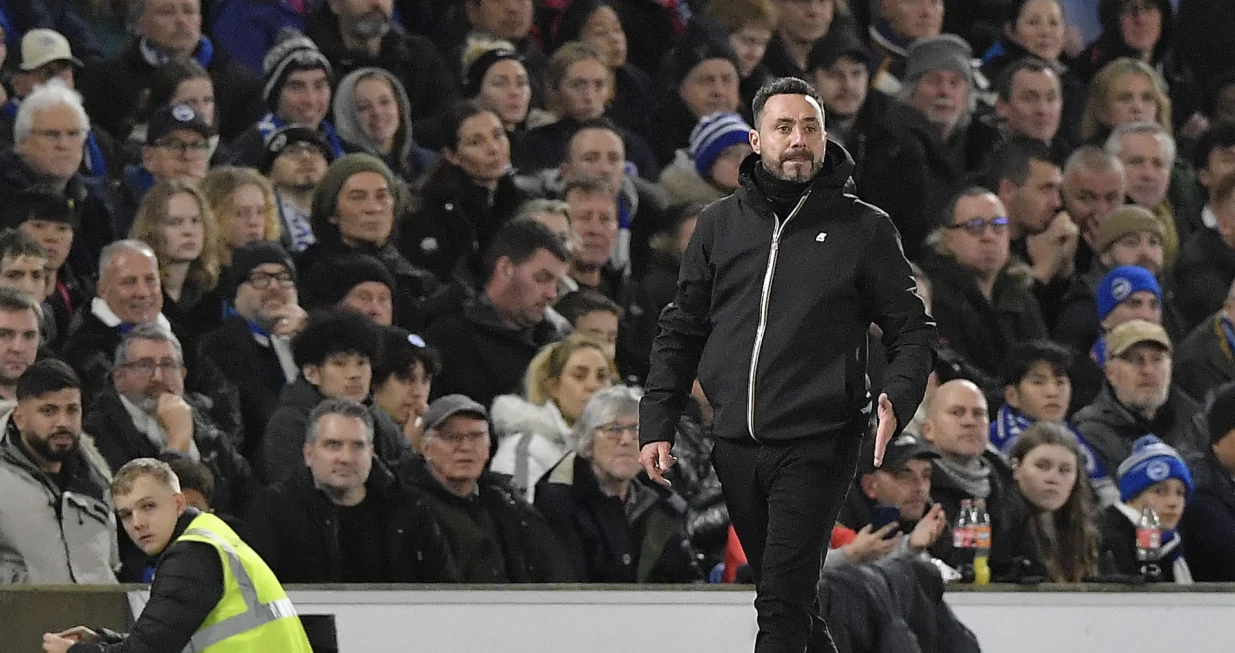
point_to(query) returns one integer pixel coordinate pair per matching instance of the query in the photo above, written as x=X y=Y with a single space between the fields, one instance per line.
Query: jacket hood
x=347 y=123
x=89 y=471
x=684 y=185
x=513 y=414
x=836 y=173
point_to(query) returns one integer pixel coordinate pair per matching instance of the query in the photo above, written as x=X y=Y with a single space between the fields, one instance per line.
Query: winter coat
x=802 y=385
x=608 y=540
x=481 y=356
x=531 y=440
x=1203 y=275
x=981 y=330
x=694 y=477
x=281 y=448
x=411 y=58
x=494 y=536
x=113 y=89
x=1117 y=523
x=51 y=535
x=1208 y=524
x=683 y=184
x=454 y=219
x=253 y=369
x=294 y=526
x=1203 y=361
x=1111 y=428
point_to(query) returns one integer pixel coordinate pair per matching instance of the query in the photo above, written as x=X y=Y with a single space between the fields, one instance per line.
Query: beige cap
x=40 y=47
x=1124 y=336
x=1126 y=220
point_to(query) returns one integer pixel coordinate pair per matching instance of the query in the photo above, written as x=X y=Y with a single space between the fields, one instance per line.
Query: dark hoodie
x=748 y=329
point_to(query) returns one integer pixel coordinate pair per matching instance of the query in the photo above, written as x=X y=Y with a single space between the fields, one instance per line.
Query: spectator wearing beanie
x=252 y=348
x=296 y=90
x=335 y=353
x=1206 y=264
x=1153 y=476
x=708 y=171
x=356 y=282
x=295 y=163
x=702 y=78
x=1138 y=398
x=113 y=88
x=360 y=120
x=337 y=27
x=1205 y=359
x=344 y=225
x=1208 y=524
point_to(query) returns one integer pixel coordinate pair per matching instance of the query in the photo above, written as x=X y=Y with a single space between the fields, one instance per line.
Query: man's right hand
x=656 y=460
x=868 y=545
x=80 y=634
x=176 y=417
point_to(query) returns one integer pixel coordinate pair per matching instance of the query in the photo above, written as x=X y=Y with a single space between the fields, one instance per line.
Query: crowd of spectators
x=381 y=277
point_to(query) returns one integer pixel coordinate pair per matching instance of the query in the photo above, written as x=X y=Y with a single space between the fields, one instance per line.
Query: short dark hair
x=949 y=210
x=589 y=186
x=1013 y=160
x=1003 y=83
x=1021 y=359
x=16 y=244
x=46 y=376
x=583 y=301
x=781 y=86
x=193 y=475
x=13 y=300
x=454 y=117
x=401 y=351
x=519 y=241
x=1219 y=135
x=601 y=123
x=331 y=332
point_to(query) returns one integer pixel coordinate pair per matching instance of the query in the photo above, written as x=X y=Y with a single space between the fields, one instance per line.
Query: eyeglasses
x=262 y=281
x=147 y=366
x=58 y=134
x=613 y=431
x=976 y=226
x=456 y=438
x=196 y=148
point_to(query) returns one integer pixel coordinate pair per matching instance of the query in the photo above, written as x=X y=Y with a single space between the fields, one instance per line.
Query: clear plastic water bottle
x=1149 y=544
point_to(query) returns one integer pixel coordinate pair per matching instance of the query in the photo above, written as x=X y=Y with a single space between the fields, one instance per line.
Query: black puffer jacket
x=746 y=336
x=295 y=528
x=1110 y=428
x=694 y=477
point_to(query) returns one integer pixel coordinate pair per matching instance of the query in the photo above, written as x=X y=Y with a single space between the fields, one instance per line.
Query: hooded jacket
x=683 y=184
x=780 y=359
x=51 y=534
x=1111 y=428
x=408 y=160
x=532 y=439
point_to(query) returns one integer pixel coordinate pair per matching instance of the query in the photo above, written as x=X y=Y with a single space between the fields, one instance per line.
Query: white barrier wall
x=723 y=621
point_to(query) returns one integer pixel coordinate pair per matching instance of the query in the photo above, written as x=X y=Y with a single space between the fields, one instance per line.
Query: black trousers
x=783 y=500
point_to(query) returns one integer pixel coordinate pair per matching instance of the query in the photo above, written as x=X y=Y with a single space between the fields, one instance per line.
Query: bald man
x=958 y=425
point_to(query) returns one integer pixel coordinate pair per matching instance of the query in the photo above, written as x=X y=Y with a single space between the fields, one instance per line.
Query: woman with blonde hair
x=175 y=220
x=1125 y=90
x=496 y=78
x=245 y=207
x=534 y=431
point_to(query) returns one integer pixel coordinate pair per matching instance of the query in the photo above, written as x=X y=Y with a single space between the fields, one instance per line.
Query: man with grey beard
x=1139 y=398
x=363 y=33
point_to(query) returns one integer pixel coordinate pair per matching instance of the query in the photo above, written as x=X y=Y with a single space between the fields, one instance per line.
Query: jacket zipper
x=764 y=299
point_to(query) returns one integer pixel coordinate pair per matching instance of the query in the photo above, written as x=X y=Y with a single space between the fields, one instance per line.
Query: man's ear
x=754 y=141
x=868 y=483
x=182 y=502
x=1012 y=396
x=928 y=431
x=19 y=418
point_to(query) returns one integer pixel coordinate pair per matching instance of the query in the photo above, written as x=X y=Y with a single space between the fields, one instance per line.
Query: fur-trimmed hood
x=683 y=184
x=513 y=415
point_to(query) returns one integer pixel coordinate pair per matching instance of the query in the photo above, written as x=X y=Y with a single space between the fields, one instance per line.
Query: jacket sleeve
x=684 y=329
x=261 y=528
x=891 y=301
x=1208 y=529
x=554 y=502
x=282 y=445
x=437 y=565
x=189 y=586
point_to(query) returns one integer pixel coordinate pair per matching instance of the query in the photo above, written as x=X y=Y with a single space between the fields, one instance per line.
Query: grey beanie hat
x=294 y=51
x=943 y=52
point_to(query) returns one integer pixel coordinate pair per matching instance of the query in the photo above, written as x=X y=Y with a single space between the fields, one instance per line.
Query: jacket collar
x=833 y=178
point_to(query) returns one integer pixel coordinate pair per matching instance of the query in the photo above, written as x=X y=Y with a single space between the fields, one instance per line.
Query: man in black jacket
x=791 y=413
x=345 y=519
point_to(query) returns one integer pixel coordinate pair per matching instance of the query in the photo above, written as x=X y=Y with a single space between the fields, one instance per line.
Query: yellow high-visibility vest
x=254 y=613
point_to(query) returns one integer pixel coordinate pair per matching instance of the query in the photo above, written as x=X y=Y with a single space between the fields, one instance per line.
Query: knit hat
x=289 y=135
x=834 y=45
x=347 y=272
x=703 y=40
x=1120 y=283
x=1124 y=221
x=326 y=197
x=1221 y=417
x=712 y=135
x=292 y=52
x=1132 y=333
x=247 y=257
x=943 y=52
x=1152 y=461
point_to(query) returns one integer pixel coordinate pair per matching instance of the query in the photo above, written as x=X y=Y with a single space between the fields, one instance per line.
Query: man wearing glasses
x=253 y=346
x=177 y=147
x=147 y=412
x=981 y=304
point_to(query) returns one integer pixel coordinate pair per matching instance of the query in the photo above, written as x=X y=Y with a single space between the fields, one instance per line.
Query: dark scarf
x=783 y=195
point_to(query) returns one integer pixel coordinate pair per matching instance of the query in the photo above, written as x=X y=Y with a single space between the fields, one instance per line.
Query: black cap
x=344 y=273
x=176 y=117
x=832 y=47
x=247 y=257
x=451 y=405
x=905 y=448
x=289 y=135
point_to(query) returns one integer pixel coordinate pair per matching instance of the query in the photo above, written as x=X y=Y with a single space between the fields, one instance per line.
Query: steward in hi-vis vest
x=211 y=592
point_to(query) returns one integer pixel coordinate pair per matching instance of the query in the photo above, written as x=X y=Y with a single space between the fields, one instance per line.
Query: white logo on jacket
x=823 y=235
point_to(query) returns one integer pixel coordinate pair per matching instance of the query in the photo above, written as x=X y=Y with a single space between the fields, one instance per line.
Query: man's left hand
x=53 y=643
x=885 y=427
